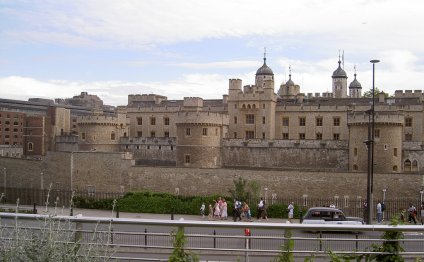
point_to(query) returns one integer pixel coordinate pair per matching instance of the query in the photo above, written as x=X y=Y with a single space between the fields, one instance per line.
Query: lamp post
x=4 y=180
x=384 y=197
x=266 y=194
x=370 y=144
x=421 y=197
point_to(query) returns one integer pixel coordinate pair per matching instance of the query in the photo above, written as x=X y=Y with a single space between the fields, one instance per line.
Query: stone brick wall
x=115 y=172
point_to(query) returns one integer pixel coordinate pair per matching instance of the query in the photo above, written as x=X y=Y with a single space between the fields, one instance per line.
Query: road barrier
x=138 y=239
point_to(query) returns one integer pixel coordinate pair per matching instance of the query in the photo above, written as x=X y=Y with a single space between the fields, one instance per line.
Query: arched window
x=414 y=166
x=244 y=106
x=254 y=106
x=248 y=106
x=395 y=168
x=407 y=165
x=112 y=136
x=30 y=146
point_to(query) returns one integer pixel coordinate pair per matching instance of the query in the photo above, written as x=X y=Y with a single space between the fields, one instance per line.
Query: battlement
x=193 y=102
x=204 y=118
x=409 y=93
x=132 y=98
x=317 y=95
x=102 y=120
x=235 y=84
x=362 y=118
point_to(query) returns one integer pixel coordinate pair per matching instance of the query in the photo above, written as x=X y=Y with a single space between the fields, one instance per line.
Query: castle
x=250 y=127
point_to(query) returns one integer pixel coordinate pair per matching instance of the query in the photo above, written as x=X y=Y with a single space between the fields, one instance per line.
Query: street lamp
x=421 y=196
x=4 y=180
x=370 y=144
x=266 y=194
x=384 y=198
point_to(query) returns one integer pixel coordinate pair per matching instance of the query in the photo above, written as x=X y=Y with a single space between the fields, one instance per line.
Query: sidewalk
x=108 y=213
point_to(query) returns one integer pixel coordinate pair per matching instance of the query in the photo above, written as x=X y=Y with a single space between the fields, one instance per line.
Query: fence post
x=247 y=236
x=34 y=210
x=145 y=236
x=214 y=239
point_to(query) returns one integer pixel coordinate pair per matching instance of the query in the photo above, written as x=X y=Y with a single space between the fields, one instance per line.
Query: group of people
x=241 y=210
x=411 y=212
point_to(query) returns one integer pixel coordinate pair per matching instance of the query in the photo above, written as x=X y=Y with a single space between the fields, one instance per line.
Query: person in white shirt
x=379 y=213
x=290 y=208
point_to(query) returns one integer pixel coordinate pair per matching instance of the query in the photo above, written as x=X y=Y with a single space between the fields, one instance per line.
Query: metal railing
x=144 y=239
x=351 y=207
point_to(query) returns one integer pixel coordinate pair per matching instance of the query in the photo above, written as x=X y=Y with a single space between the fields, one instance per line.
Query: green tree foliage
x=286 y=254
x=179 y=254
x=368 y=94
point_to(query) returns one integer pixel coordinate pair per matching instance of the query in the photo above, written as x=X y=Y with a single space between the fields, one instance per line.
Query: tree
x=368 y=94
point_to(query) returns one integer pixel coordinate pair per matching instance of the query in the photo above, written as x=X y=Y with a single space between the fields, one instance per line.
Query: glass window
x=336 y=121
x=139 y=133
x=112 y=136
x=263 y=120
x=153 y=121
x=336 y=136
x=285 y=136
x=250 y=119
x=139 y=121
x=285 y=121
x=250 y=134
x=187 y=159
x=301 y=136
x=205 y=131
x=166 y=134
x=302 y=121
x=166 y=121
x=408 y=121
x=319 y=136
x=235 y=120
x=188 y=131
x=319 y=121
x=152 y=134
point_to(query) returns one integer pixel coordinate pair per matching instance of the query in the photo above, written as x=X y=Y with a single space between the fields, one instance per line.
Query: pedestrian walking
x=422 y=213
x=379 y=213
x=412 y=214
x=290 y=210
x=202 y=210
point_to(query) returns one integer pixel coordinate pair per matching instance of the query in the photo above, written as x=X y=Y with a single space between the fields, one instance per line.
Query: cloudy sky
x=57 y=49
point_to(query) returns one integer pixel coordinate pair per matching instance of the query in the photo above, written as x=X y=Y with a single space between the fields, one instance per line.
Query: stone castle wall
x=114 y=172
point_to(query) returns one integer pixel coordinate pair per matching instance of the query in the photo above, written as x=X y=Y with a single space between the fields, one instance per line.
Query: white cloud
x=372 y=25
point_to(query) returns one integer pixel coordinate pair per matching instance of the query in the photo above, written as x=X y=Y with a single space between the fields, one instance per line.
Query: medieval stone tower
x=339 y=82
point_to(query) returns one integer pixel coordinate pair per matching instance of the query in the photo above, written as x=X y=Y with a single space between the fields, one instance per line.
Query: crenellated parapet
x=201 y=118
x=102 y=120
x=384 y=118
x=409 y=94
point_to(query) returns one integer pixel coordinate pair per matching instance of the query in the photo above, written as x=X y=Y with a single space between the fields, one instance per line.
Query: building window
x=15 y=123
x=205 y=131
x=319 y=136
x=172 y=148
x=112 y=136
x=395 y=168
x=285 y=121
x=139 y=133
x=139 y=121
x=395 y=153
x=138 y=147
x=250 y=134
x=148 y=147
x=235 y=120
x=30 y=146
x=355 y=151
x=166 y=121
x=302 y=121
x=263 y=120
x=235 y=105
x=376 y=133
x=355 y=167
x=166 y=134
x=83 y=136
x=250 y=119
x=408 y=121
x=153 y=121
x=188 y=131
x=7 y=122
x=263 y=135
x=386 y=147
x=235 y=134
x=263 y=106
x=336 y=136
x=407 y=165
x=152 y=134
x=336 y=121
x=408 y=137
x=285 y=136
x=302 y=136
x=187 y=159
x=414 y=166
x=319 y=121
